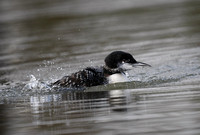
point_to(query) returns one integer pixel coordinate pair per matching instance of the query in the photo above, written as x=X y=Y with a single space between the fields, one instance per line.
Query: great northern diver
x=116 y=65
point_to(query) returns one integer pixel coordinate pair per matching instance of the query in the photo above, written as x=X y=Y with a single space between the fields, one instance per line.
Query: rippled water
x=41 y=41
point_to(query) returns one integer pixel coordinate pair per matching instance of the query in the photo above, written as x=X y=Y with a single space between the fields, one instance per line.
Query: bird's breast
x=116 y=78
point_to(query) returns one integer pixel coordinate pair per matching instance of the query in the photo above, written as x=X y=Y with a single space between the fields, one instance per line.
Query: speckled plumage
x=90 y=76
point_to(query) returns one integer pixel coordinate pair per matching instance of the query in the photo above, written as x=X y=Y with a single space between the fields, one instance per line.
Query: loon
x=114 y=71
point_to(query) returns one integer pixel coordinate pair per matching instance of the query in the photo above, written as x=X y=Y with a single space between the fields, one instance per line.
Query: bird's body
x=90 y=76
x=112 y=72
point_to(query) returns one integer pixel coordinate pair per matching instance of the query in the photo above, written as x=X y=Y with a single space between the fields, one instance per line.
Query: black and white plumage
x=87 y=77
x=116 y=64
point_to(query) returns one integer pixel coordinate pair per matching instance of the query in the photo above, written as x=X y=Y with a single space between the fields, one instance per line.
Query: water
x=41 y=41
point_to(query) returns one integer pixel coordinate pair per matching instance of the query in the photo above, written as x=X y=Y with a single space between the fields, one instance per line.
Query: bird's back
x=90 y=76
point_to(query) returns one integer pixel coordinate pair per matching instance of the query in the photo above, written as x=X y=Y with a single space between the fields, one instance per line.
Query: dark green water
x=50 y=39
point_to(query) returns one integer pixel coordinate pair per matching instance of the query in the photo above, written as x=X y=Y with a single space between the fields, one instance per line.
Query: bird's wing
x=85 y=78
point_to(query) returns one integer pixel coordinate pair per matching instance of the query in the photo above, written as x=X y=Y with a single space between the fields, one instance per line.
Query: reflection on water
x=77 y=109
x=73 y=111
x=146 y=111
x=47 y=40
x=83 y=100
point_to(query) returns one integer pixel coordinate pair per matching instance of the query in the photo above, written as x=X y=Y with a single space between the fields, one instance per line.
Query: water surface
x=42 y=41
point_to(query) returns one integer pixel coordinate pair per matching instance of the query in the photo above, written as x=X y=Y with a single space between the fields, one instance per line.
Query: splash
x=35 y=85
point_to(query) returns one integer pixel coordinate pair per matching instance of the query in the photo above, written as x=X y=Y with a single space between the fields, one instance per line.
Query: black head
x=118 y=58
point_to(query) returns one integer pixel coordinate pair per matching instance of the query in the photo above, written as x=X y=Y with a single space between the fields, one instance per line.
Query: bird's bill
x=142 y=64
x=130 y=66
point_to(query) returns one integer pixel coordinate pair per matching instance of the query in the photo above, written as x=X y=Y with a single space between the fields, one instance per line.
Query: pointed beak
x=141 y=64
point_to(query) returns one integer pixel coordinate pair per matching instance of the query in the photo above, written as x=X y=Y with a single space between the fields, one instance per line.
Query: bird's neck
x=108 y=71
